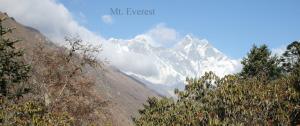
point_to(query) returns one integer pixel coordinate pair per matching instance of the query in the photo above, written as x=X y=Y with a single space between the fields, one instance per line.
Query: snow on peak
x=190 y=57
x=190 y=40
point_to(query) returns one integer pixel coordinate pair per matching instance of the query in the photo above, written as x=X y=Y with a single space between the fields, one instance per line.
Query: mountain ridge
x=168 y=67
x=125 y=95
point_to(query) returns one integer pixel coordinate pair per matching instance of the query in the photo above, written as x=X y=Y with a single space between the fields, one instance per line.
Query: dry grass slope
x=98 y=95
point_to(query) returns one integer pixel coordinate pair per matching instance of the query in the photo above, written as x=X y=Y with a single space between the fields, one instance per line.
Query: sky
x=232 y=26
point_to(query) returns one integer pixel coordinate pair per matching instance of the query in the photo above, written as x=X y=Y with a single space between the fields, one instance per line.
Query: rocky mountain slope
x=122 y=94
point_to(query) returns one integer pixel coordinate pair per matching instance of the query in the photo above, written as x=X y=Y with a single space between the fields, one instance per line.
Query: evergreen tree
x=291 y=57
x=12 y=69
x=291 y=63
x=259 y=62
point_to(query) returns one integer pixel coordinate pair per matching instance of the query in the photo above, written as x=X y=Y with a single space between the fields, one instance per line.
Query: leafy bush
x=248 y=98
x=233 y=101
x=31 y=113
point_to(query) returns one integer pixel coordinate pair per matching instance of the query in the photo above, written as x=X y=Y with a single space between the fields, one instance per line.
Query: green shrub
x=30 y=113
x=259 y=95
x=12 y=70
x=234 y=101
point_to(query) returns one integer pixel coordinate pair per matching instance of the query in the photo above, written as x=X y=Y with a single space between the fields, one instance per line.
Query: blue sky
x=232 y=26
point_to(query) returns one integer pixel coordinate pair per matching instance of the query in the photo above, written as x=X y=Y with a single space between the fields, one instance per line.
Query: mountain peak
x=142 y=38
x=169 y=66
x=190 y=40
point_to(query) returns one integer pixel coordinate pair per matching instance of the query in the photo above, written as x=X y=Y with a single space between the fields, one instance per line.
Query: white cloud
x=121 y=58
x=107 y=19
x=49 y=16
x=55 y=21
x=278 y=51
x=118 y=54
x=163 y=35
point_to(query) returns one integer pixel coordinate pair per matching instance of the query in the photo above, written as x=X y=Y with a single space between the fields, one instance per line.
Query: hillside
x=121 y=95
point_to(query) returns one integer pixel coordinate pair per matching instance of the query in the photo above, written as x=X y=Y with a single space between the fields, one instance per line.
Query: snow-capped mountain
x=163 y=69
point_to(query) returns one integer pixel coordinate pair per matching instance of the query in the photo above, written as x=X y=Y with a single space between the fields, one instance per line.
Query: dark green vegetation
x=13 y=85
x=265 y=92
x=12 y=70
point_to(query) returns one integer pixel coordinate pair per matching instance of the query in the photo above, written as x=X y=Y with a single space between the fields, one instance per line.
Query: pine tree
x=291 y=57
x=291 y=63
x=12 y=69
x=259 y=62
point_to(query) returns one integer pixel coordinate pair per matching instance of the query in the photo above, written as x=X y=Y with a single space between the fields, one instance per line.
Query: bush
x=234 y=101
x=31 y=113
x=259 y=95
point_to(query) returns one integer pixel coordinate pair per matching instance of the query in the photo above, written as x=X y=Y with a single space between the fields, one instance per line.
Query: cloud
x=55 y=21
x=52 y=18
x=163 y=35
x=278 y=51
x=120 y=57
x=107 y=19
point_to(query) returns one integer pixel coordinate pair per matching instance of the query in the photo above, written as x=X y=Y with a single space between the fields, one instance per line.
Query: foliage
x=65 y=84
x=291 y=56
x=233 y=101
x=291 y=63
x=248 y=98
x=259 y=62
x=31 y=113
x=12 y=70
x=14 y=74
